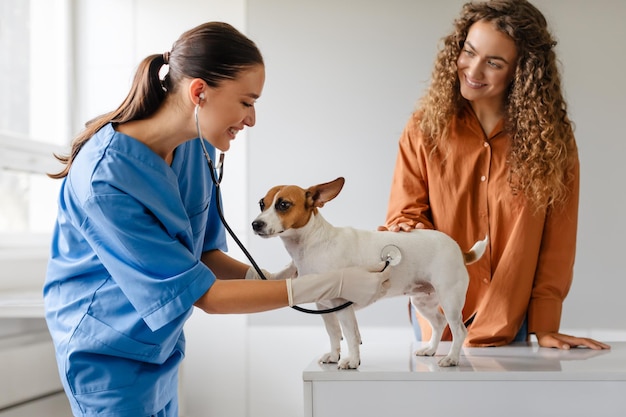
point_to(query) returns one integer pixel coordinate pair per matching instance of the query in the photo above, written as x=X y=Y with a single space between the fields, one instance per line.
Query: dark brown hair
x=213 y=52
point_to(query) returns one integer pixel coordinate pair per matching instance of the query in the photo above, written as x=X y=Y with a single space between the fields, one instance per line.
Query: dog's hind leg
x=452 y=301
x=334 y=333
x=452 y=304
x=427 y=304
x=350 y=329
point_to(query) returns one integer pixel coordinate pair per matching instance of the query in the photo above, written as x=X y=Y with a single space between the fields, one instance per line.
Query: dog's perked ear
x=320 y=194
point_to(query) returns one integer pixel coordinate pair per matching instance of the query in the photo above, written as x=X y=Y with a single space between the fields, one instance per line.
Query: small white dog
x=431 y=266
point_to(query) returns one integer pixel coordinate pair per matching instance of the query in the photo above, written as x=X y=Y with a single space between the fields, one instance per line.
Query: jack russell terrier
x=429 y=265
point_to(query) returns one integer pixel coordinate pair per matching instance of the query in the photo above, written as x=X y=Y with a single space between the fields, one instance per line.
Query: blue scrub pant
x=521 y=336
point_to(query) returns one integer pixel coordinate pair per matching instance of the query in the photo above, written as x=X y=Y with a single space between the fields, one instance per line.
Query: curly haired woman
x=491 y=150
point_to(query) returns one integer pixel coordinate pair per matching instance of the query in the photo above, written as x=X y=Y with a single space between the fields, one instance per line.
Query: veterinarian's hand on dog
x=358 y=284
x=290 y=271
x=566 y=342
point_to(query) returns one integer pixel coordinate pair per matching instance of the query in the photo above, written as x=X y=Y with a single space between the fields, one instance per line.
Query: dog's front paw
x=290 y=271
x=426 y=351
x=330 y=357
x=448 y=361
x=349 y=363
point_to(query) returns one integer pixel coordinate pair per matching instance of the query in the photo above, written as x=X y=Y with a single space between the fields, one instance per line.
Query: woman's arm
x=555 y=271
x=223 y=266
x=361 y=285
x=243 y=296
x=408 y=206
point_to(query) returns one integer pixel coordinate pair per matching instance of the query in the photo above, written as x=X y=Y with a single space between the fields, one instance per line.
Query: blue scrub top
x=125 y=270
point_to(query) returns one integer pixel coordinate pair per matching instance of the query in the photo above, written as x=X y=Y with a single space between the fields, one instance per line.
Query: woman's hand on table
x=564 y=341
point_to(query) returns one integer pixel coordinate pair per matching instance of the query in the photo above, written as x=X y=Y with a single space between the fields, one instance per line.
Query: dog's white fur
x=431 y=269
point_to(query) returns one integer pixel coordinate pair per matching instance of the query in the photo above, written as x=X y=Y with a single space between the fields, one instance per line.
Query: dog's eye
x=283 y=205
x=261 y=204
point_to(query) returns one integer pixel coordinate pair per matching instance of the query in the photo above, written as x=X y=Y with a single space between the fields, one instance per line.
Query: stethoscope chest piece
x=391 y=254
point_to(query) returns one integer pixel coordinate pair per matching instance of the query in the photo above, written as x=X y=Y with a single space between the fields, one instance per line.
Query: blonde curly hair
x=535 y=110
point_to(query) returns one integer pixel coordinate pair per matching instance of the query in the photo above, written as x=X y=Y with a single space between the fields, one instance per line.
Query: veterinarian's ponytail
x=213 y=52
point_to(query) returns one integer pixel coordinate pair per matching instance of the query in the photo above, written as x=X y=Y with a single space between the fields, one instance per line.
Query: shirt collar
x=469 y=118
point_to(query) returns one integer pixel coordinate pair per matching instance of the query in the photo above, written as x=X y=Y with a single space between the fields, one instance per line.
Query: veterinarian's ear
x=197 y=88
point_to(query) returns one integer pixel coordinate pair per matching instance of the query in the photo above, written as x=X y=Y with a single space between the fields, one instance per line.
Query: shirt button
x=486 y=280
x=485 y=144
x=483 y=178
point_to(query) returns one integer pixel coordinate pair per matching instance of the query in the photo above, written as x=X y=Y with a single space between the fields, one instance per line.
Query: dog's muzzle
x=258 y=226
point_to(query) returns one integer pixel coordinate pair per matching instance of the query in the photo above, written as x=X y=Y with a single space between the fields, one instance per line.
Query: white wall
x=589 y=34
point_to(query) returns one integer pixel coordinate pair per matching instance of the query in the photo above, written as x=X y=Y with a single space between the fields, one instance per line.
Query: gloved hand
x=361 y=285
x=290 y=271
x=251 y=273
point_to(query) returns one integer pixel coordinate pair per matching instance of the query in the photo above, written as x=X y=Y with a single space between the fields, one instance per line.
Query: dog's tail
x=476 y=252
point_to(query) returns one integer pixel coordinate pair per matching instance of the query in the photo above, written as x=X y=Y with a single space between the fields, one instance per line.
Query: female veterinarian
x=138 y=241
x=491 y=150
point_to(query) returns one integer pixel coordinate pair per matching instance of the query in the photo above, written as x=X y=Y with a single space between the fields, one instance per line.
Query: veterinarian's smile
x=233 y=132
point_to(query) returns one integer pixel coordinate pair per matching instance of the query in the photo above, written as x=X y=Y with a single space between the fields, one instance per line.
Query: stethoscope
x=390 y=253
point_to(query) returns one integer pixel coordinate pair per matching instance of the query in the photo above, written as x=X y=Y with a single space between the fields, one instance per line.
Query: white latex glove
x=290 y=271
x=252 y=274
x=361 y=285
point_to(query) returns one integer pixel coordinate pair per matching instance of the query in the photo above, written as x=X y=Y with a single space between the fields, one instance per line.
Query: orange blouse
x=528 y=267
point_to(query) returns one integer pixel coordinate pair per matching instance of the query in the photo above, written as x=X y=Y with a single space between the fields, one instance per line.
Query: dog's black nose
x=258 y=225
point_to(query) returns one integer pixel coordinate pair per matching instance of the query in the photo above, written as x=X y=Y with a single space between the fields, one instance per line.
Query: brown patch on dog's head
x=267 y=201
x=291 y=205
x=294 y=205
